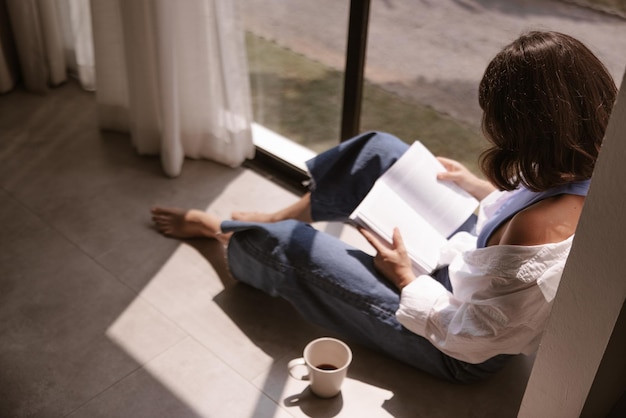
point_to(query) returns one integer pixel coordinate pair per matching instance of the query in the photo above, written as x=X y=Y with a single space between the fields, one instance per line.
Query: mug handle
x=293 y=364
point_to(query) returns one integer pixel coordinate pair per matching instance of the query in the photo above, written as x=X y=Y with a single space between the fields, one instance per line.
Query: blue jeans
x=332 y=283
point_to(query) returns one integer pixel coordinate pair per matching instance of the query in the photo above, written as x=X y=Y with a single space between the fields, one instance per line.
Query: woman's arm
x=473 y=331
x=464 y=178
x=501 y=301
x=392 y=261
x=507 y=318
x=486 y=319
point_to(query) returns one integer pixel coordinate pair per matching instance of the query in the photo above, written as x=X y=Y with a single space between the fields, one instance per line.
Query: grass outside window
x=301 y=99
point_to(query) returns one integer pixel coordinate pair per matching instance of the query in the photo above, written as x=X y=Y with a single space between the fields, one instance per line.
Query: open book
x=409 y=196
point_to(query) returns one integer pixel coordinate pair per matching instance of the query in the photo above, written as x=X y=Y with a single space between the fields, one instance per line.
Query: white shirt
x=502 y=295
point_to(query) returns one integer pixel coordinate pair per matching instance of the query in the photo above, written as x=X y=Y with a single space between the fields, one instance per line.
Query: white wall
x=591 y=294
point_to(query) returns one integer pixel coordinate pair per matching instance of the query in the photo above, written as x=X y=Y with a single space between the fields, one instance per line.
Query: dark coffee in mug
x=326 y=362
x=326 y=367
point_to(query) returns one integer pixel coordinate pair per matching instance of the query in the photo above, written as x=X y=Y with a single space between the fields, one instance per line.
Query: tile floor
x=102 y=317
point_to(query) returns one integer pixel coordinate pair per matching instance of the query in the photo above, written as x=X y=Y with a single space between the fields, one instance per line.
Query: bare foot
x=180 y=223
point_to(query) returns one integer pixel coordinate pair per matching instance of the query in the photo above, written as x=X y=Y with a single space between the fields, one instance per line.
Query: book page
x=414 y=178
x=410 y=197
x=385 y=210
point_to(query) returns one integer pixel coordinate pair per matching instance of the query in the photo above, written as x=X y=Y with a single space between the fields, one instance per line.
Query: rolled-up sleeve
x=496 y=307
x=417 y=302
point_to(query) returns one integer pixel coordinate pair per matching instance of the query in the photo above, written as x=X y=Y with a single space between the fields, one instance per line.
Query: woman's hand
x=464 y=178
x=393 y=261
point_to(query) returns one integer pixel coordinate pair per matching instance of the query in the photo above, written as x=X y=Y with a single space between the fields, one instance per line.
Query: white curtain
x=172 y=73
x=42 y=41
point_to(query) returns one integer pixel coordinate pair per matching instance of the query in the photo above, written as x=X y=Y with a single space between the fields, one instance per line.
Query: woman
x=546 y=100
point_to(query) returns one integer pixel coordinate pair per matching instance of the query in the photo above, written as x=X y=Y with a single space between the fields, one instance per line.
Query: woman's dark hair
x=546 y=100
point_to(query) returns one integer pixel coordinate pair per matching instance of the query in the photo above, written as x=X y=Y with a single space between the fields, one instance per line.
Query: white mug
x=327 y=360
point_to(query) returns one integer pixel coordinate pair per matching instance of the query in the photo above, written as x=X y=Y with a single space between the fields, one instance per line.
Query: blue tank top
x=523 y=198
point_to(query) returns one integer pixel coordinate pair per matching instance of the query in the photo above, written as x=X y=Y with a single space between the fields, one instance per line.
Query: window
x=424 y=61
